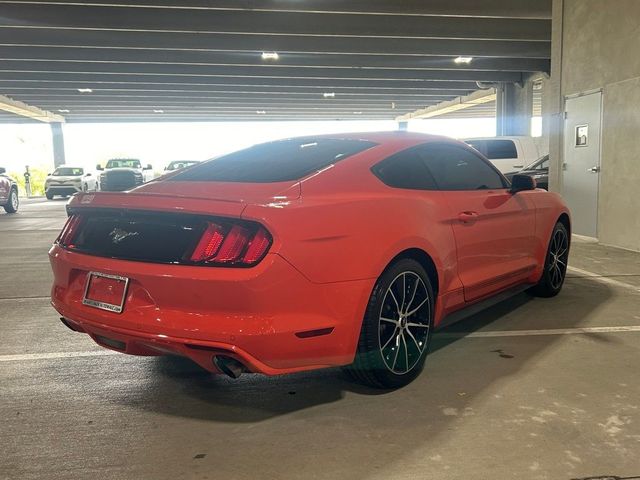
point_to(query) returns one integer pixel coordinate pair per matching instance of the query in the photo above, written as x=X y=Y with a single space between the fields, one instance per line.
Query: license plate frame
x=109 y=307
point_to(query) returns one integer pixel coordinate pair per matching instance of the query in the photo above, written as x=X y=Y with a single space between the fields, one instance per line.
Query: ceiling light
x=261 y=112
x=157 y=110
x=357 y=113
x=329 y=94
x=85 y=90
x=463 y=60
x=270 y=56
x=64 y=110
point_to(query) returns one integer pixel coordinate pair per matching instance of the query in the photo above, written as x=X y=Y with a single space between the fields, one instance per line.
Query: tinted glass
x=123 y=163
x=500 y=149
x=480 y=145
x=455 y=168
x=280 y=161
x=405 y=170
x=67 y=172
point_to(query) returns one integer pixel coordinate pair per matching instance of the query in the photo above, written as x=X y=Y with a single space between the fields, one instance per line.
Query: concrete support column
x=514 y=109
x=553 y=101
x=58 y=144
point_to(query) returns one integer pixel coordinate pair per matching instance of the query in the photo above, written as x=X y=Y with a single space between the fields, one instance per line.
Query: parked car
x=539 y=170
x=180 y=164
x=507 y=153
x=9 y=199
x=123 y=174
x=67 y=180
x=306 y=253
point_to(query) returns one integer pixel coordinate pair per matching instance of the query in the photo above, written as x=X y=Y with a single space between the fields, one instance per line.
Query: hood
x=122 y=169
x=63 y=178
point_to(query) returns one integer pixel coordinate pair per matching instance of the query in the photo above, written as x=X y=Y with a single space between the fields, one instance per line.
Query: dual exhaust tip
x=229 y=366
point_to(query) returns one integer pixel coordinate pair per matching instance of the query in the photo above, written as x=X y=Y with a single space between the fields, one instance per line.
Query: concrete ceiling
x=190 y=60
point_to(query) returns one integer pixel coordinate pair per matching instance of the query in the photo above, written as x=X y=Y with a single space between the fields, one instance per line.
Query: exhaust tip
x=229 y=366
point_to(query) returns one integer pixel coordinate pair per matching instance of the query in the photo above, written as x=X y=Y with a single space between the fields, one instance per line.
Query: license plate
x=106 y=292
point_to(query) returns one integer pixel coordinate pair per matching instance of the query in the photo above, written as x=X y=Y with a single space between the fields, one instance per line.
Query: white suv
x=507 y=153
x=66 y=180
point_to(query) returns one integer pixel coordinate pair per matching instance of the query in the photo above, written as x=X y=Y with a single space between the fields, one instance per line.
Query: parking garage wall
x=600 y=41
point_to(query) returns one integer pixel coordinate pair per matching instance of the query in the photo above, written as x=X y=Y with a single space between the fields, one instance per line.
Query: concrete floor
x=530 y=389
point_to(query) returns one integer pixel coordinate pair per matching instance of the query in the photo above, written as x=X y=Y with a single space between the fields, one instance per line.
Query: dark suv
x=8 y=193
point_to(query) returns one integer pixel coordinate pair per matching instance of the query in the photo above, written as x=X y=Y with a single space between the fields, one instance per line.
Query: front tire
x=555 y=265
x=396 y=330
x=13 y=203
x=49 y=195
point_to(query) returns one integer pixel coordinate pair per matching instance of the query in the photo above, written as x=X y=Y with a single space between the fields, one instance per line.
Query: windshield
x=540 y=164
x=279 y=161
x=123 y=163
x=67 y=172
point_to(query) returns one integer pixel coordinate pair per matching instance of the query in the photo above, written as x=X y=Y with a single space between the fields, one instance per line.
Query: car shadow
x=183 y=389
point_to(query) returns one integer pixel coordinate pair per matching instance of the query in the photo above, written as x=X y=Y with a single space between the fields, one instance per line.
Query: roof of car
x=398 y=136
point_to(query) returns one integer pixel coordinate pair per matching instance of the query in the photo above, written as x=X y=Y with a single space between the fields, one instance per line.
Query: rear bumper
x=269 y=317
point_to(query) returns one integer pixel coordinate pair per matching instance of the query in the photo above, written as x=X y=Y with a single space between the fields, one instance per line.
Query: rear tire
x=396 y=330
x=555 y=265
x=13 y=202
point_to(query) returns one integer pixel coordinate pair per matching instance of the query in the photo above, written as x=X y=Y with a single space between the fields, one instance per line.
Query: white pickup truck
x=508 y=153
x=123 y=174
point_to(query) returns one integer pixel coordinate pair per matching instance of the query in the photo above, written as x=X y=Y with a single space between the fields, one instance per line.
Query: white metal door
x=581 y=169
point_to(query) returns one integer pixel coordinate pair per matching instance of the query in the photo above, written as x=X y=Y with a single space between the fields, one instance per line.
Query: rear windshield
x=280 y=161
x=123 y=163
x=68 y=172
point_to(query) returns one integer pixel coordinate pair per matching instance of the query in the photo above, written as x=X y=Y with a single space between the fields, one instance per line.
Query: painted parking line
x=604 y=279
x=499 y=333
x=55 y=355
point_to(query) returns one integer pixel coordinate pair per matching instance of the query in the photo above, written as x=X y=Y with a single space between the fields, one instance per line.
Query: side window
x=455 y=168
x=501 y=149
x=405 y=170
x=479 y=145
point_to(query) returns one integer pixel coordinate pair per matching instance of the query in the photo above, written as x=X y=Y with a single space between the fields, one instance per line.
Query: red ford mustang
x=307 y=253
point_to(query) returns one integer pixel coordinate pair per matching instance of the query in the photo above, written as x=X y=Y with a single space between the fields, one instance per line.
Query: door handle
x=468 y=217
x=593 y=170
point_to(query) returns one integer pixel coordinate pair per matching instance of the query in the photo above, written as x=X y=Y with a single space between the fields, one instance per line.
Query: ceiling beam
x=476 y=98
x=22 y=109
x=254 y=72
x=247 y=59
x=540 y=9
x=229 y=42
x=252 y=22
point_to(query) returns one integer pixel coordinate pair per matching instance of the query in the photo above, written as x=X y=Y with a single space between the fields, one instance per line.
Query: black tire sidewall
x=544 y=287
x=9 y=205
x=370 y=339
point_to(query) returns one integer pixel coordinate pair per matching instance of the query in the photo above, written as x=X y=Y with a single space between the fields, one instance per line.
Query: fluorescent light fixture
x=64 y=110
x=357 y=113
x=270 y=56
x=329 y=94
x=157 y=110
x=463 y=60
x=85 y=90
x=261 y=112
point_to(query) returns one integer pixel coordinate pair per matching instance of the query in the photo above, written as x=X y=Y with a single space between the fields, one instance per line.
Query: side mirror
x=87 y=174
x=49 y=174
x=148 y=167
x=3 y=170
x=521 y=183
x=99 y=167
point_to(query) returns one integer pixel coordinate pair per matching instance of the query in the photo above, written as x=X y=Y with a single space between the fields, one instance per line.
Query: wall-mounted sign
x=582 y=135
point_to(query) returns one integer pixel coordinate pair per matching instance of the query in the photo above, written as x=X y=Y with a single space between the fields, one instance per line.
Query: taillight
x=70 y=230
x=235 y=244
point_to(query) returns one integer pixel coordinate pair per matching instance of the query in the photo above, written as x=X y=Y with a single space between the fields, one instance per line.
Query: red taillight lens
x=70 y=230
x=236 y=244
x=209 y=244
